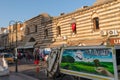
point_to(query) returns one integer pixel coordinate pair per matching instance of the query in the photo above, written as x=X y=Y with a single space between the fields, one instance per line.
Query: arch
x=73 y=25
x=95 y=20
x=58 y=30
x=46 y=33
x=73 y=20
x=58 y=23
x=94 y=15
x=32 y=39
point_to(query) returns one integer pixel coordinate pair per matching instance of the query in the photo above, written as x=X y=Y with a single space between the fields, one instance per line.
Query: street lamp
x=15 y=23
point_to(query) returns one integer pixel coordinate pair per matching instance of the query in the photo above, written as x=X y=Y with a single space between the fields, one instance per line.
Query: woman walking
x=36 y=56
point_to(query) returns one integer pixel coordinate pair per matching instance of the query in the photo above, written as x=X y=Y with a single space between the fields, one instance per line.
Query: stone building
x=3 y=38
x=36 y=32
x=11 y=37
x=90 y=25
x=45 y=30
x=16 y=35
x=94 y=25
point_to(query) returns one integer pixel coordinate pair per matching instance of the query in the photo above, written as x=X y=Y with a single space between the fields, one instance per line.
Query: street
x=27 y=71
x=16 y=76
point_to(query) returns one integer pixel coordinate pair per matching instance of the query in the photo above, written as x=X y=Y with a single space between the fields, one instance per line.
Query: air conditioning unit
x=103 y=33
x=112 y=32
x=53 y=40
x=64 y=37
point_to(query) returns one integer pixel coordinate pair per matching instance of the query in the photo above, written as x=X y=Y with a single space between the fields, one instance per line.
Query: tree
x=97 y=62
x=68 y=59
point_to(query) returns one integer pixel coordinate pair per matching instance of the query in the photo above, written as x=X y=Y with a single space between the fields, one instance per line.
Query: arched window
x=36 y=28
x=32 y=39
x=73 y=26
x=96 y=23
x=46 y=33
x=28 y=30
x=58 y=31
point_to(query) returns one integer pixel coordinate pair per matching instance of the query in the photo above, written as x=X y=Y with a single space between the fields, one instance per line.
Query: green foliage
x=87 y=67
x=85 y=63
x=68 y=59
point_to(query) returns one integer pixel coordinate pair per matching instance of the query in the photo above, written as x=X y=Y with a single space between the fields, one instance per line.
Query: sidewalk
x=40 y=75
x=28 y=70
x=17 y=76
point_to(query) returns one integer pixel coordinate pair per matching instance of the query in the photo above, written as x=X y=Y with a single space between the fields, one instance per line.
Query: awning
x=29 y=45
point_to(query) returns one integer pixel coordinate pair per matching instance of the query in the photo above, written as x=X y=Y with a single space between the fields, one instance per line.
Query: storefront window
x=35 y=28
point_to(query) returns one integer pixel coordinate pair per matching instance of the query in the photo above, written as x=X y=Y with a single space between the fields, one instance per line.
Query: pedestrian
x=36 y=56
x=19 y=56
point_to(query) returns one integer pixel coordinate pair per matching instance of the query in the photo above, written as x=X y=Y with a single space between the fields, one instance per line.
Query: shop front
x=29 y=47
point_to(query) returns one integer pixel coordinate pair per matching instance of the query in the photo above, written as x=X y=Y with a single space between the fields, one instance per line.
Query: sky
x=22 y=10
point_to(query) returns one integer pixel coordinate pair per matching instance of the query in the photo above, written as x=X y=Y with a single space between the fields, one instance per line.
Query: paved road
x=17 y=76
x=27 y=71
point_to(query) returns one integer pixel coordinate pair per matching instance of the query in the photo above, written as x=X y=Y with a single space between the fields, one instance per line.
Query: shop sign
x=114 y=41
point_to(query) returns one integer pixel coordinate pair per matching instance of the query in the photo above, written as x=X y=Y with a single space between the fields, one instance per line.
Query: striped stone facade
x=35 y=29
x=109 y=20
x=31 y=30
x=94 y=25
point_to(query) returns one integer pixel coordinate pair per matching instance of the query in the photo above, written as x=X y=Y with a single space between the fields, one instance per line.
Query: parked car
x=8 y=57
